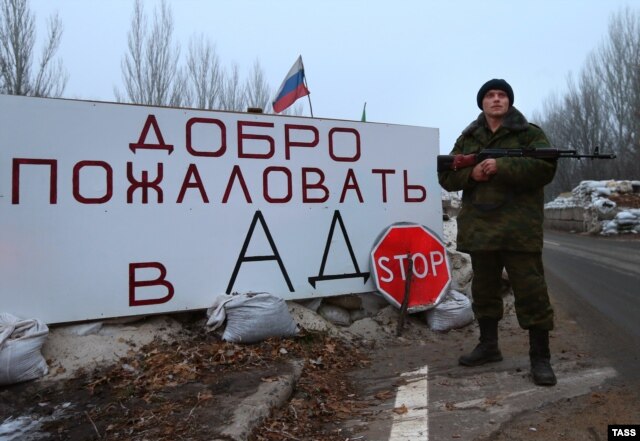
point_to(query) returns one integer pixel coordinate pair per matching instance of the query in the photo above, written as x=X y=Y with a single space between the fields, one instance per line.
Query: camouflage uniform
x=500 y=222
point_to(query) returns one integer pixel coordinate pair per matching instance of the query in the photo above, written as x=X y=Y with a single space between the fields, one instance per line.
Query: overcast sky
x=417 y=63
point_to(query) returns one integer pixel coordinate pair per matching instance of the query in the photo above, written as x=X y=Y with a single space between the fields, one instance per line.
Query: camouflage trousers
x=526 y=275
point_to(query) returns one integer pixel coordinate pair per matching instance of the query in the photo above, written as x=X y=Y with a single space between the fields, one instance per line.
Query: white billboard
x=113 y=210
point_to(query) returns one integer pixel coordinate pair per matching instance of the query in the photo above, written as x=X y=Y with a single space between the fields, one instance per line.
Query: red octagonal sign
x=431 y=273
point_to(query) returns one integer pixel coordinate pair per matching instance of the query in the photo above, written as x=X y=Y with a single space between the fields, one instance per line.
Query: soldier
x=500 y=226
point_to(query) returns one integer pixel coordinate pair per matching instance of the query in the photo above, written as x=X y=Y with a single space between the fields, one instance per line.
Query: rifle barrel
x=454 y=162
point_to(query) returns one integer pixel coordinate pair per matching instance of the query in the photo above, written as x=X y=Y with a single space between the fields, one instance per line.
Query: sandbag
x=335 y=314
x=20 y=344
x=453 y=312
x=251 y=317
x=604 y=206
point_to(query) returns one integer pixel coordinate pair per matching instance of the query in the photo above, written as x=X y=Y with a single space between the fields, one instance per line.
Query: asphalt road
x=594 y=283
x=596 y=280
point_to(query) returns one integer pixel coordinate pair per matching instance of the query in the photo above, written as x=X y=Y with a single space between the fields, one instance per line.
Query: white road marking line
x=550 y=242
x=413 y=425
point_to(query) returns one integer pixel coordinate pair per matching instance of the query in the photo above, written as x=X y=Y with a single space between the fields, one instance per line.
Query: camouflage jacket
x=506 y=212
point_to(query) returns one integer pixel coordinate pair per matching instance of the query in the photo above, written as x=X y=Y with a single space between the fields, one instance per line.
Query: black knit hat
x=495 y=84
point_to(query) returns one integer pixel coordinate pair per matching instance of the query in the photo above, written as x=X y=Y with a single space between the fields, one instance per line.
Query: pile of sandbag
x=595 y=195
x=20 y=343
x=251 y=317
x=454 y=311
x=598 y=210
x=627 y=221
x=589 y=191
x=613 y=219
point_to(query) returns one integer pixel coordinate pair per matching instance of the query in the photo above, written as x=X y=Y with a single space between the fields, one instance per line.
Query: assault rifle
x=456 y=162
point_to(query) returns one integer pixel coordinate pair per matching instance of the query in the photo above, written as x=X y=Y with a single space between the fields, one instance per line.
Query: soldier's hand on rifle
x=483 y=171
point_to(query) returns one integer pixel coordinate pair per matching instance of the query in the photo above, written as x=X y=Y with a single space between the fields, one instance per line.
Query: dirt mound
x=626 y=200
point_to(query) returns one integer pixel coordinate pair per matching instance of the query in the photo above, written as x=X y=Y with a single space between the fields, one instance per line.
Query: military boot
x=487 y=350
x=540 y=357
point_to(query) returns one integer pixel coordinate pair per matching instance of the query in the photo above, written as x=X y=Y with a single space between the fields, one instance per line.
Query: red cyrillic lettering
x=108 y=187
x=317 y=186
x=53 y=178
x=351 y=183
x=161 y=280
x=236 y=173
x=144 y=184
x=223 y=137
x=192 y=171
x=142 y=141
x=407 y=188
x=242 y=137
x=355 y=156
x=287 y=138
x=265 y=185
x=384 y=172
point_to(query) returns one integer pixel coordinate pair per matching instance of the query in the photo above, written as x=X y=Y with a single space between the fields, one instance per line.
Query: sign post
x=410 y=258
x=407 y=294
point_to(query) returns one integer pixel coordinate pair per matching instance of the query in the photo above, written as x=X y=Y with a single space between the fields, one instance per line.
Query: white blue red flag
x=292 y=88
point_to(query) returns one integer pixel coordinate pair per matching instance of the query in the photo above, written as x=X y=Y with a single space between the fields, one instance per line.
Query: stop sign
x=431 y=272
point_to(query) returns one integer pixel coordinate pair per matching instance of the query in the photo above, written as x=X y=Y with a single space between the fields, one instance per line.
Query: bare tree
x=152 y=73
x=601 y=109
x=556 y=126
x=256 y=90
x=617 y=68
x=150 y=70
x=233 y=97
x=205 y=76
x=17 y=39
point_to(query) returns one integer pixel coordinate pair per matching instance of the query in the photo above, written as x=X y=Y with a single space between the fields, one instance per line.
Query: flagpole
x=309 y=95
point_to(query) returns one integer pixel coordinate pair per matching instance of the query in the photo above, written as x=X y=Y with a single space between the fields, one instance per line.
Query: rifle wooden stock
x=457 y=162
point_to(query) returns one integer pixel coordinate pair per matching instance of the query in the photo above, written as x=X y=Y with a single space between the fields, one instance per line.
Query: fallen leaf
x=490 y=401
x=401 y=410
x=384 y=395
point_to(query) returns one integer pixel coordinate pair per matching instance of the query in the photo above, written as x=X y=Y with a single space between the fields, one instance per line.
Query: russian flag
x=292 y=87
